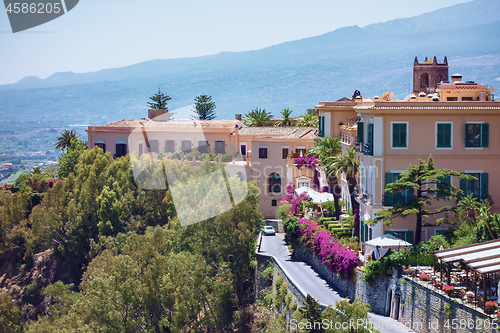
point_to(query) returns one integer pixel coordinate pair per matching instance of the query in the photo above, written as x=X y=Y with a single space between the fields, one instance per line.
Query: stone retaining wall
x=373 y=293
x=419 y=307
x=425 y=311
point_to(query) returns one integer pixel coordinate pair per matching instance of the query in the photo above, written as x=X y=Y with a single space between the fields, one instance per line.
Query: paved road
x=311 y=283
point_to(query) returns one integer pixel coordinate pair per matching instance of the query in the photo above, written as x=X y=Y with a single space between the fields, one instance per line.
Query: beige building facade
x=390 y=135
x=262 y=152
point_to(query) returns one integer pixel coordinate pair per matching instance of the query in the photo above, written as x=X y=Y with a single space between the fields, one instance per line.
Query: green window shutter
x=323 y=125
x=362 y=231
x=484 y=185
x=360 y=132
x=366 y=233
x=467 y=135
x=409 y=194
x=404 y=135
x=463 y=185
x=409 y=236
x=399 y=135
x=388 y=196
x=443 y=186
x=370 y=133
x=443 y=135
x=485 y=133
x=370 y=233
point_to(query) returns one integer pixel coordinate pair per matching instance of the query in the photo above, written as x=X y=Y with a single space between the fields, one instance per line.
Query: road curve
x=312 y=283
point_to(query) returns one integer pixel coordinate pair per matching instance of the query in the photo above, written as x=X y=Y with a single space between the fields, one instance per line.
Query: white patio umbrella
x=382 y=244
x=317 y=197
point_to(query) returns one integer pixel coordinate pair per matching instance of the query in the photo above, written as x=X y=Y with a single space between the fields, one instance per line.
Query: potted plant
x=409 y=271
x=450 y=290
x=438 y=284
x=424 y=277
x=489 y=306
x=470 y=297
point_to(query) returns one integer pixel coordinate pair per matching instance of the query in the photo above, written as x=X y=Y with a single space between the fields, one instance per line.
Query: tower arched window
x=274 y=183
x=442 y=77
x=424 y=80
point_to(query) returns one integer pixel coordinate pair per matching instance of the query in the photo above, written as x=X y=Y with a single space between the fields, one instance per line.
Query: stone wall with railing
x=426 y=310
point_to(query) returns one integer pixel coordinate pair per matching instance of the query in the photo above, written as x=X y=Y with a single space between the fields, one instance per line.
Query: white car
x=268 y=230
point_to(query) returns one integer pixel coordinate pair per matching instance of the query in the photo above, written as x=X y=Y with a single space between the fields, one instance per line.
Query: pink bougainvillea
x=337 y=258
x=308 y=162
x=297 y=208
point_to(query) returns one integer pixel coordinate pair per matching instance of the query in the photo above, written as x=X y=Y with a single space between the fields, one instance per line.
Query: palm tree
x=472 y=209
x=347 y=164
x=64 y=140
x=310 y=119
x=258 y=118
x=286 y=121
x=327 y=149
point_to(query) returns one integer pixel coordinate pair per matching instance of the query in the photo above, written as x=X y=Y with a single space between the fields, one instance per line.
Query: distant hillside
x=296 y=74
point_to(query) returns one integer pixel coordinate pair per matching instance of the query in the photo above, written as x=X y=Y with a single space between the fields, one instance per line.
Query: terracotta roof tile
x=280 y=132
x=223 y=123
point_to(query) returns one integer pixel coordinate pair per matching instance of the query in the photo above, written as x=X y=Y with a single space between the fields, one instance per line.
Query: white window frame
x=436 y=135
x=407 y=134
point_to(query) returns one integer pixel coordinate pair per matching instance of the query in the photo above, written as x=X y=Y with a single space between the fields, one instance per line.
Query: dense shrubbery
x=337 y=258
x=372 y=269
x=126 y=246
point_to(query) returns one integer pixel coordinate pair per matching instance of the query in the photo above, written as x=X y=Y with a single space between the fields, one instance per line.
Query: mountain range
x=296 y=74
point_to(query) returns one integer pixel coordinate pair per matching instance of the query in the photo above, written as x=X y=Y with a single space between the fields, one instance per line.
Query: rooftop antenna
x=407 y=87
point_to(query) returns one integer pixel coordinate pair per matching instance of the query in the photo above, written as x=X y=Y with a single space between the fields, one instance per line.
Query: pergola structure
x=481 y=259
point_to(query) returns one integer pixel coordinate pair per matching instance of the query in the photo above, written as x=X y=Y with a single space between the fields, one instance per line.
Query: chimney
x=157 y=113
x=456 y=78
x=238 y=116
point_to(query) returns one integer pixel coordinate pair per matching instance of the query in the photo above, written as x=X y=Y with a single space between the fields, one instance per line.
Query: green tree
x=311 y=312
x=422 y=182
x=286 y=120
x=325 y=149
x=348 y=165
x=310 y=119
x=64 y=140
x=9 y=314
x=258 y=118
x=159 y=101
x=69 y=158
x=346 y=312
x=204 y=108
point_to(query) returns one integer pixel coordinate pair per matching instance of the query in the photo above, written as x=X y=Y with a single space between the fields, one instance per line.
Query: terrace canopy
x=481 y=259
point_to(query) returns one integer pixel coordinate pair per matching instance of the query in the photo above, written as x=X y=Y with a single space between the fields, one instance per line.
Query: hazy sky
x=100 y=34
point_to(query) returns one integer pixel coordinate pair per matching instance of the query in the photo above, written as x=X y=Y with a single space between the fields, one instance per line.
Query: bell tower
x=428 y=74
